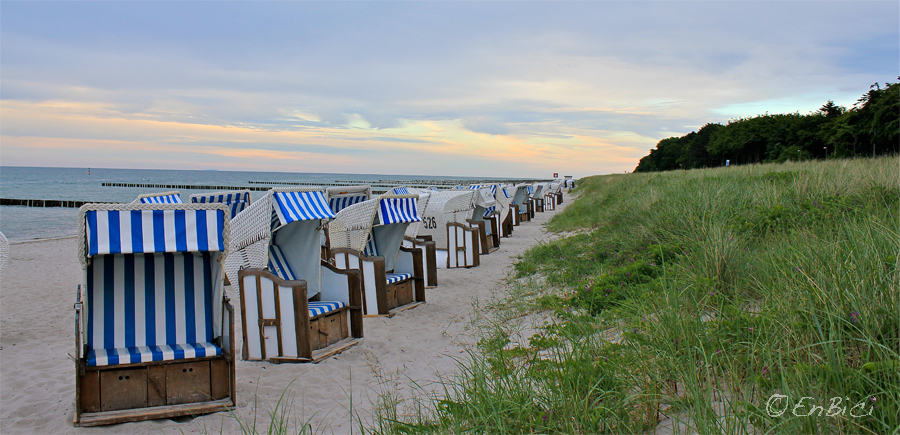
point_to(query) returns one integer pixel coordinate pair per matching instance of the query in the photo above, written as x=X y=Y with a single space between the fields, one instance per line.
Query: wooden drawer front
x=328 y=330
x=187 y=383
x=123 y=389
x=404 y=293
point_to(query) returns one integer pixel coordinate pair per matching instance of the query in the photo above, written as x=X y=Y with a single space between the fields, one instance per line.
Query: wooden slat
x=169 y=411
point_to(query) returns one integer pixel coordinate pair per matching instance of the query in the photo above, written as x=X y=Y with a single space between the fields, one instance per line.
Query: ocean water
x=25 y=223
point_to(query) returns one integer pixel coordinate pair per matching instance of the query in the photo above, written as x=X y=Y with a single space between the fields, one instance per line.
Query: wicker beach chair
x=153 y=325
x=412 y=238
x=446 y=222
x=4 y=251
x=519 y=203
x=236 y=200
x=341 y=197
x=368 y=236
x=504 y=214
x=295 y=306
x=537 y=197
x=172 y=197
x=485 y=217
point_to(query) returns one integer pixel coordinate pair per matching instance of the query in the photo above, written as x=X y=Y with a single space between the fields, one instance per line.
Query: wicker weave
x=4 y=251
x=443 y=207
x=251 y=232
x=352 y=225
x=82 y=223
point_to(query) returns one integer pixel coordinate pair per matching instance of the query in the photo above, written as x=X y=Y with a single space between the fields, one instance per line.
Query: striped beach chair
x=295 y=306
x=173 y=197
x=369 y=236
x=236 y=200
x=153 y=325
x=446 y=221
x=412 y=238
x=519 y=204
x=505 y=215
x=341 y=197
x=537 y=197
x=484 y=216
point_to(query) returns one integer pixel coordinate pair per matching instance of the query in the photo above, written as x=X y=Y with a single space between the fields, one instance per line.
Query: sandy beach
x=422 y=345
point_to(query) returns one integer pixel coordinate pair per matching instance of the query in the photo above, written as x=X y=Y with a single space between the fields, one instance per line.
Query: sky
x=502 y=89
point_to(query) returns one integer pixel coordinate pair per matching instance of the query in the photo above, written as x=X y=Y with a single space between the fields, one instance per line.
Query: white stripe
x=160 y=300
x=97 y=301
x=101 y=357
x=125 y=230
x=167 y=352
x=180 y=336
x=146 y=353
x=213 y=231
x=102 y=231
x=118 y=301
x=199 y=301
x=147 y=231
x=169 y=232
x=190 y=230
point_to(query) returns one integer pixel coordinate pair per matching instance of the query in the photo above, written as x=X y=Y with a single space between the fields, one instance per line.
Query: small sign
x=556 y=175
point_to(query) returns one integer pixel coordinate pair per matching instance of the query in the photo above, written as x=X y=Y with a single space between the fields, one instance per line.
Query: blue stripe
x=91 y=304
x=189 y=313
x=159 y=228
x=180 y=232
x=220 y=231
x=137 y=231
x=150 y=298
x=115 y=239
x=202 y=242
x=109 y=303
x=91 y=218
x=169 y=269
x=129 y=300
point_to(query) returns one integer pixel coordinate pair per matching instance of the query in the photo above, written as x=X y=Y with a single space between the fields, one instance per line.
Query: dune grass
x=750 y=299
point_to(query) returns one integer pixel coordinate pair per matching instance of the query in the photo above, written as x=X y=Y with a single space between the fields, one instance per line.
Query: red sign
x=556 y=175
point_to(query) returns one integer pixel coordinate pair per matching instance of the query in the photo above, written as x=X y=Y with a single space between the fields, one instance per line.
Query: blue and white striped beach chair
x=236 y=200
x=485 y=218
x=173 y=197
x=412 y=239
x=153 y=325
x=368 y=236
x=295 y=307
x=446 y=221
x=341 y=197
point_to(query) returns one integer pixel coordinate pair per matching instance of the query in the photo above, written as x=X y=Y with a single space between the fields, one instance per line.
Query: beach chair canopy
x=375 y=227
x=412 y=230
x=484 y=202
x=236 y=200
x=282 y=232
x=444 y=207
x=173 y=197
x=341 y=197
x=153 y=280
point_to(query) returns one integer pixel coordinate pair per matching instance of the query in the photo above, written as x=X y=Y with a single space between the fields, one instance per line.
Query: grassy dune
x=731 y=300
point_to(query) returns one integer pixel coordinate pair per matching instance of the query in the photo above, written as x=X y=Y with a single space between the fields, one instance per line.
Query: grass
x=691 y=301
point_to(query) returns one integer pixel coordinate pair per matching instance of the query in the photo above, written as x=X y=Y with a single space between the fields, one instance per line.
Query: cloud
x=459 y=87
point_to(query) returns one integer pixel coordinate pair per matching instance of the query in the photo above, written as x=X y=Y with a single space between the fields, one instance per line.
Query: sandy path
x=37 y=379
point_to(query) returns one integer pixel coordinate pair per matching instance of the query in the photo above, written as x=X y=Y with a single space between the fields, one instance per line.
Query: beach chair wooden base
x=384 y=297
x=320 y=354
x=145 y=391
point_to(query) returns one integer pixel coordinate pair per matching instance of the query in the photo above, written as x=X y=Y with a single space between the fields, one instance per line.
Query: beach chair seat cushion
x=397 y=277
x=319 y=308
x=140 y=354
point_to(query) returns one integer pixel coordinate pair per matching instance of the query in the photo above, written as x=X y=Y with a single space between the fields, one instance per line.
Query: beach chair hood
x=375 y=227
x=341 y=197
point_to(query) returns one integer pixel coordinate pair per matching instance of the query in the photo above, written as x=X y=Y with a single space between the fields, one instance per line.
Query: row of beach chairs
x=155 y=327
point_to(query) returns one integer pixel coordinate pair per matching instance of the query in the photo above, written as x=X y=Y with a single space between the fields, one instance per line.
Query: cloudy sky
x=511 y=89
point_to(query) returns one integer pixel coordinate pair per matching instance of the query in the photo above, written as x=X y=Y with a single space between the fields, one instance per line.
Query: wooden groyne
x=46 y=202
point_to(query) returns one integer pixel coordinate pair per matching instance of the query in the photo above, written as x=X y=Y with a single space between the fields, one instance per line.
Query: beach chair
x=172 y=197
x=484 y=216
x=504 y=215
x=236 y=200
x=518 y=203
x=153 y=325
x=424 y=243
x=537 y=198
x=550 y=196
x=446 y=222
x=4 y=251
x=529 y=204
x=295 y=306
x=368 y=236
x=341 y=197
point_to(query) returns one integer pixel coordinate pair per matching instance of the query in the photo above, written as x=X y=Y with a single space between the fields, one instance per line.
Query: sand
x=416 y=347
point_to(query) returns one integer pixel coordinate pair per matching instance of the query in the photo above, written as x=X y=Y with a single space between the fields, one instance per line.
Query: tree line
x=871 y=127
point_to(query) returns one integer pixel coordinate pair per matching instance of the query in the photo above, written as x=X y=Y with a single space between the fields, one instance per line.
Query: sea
x=20 y=223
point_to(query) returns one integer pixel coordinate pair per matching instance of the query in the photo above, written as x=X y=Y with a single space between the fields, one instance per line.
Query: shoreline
x=420 y=346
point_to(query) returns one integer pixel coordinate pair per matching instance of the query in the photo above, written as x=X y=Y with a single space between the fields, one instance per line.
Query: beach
x=417 y=347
